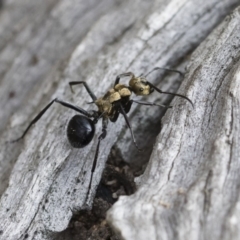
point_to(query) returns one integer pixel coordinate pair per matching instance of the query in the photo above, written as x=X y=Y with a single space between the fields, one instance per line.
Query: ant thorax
x=118 y=93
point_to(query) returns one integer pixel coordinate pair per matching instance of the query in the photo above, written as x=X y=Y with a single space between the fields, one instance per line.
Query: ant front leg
x=100 y=138
x=128 y=74
x=92 y=95
x=65 y=104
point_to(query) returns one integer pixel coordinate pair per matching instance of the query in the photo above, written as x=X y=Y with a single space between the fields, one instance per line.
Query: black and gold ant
x=81 y=128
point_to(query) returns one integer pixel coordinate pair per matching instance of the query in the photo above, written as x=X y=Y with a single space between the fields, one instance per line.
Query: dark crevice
x=231 y=143
x=121 y=35
x=207 y=193
x=117 y=180
x=173 y=162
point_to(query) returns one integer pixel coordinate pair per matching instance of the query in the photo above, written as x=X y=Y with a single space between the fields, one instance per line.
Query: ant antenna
x=174 y=94
x=160 y=91
x=166 y=69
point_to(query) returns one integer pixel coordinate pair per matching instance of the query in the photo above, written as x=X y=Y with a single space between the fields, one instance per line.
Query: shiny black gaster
x=80 y=131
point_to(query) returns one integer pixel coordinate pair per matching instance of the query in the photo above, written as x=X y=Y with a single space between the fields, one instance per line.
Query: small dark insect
x=81 y=128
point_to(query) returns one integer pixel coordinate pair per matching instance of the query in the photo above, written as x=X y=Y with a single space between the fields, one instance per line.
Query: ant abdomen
x=80 y=131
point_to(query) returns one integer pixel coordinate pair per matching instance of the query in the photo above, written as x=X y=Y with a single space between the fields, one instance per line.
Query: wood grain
x=45 y=44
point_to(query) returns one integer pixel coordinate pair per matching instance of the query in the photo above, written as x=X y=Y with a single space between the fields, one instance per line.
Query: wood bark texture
x=190 y=188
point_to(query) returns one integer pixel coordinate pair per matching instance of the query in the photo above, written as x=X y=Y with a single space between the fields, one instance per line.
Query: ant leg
x=76 y=108
x=150 y=103
x=65 y=104
x=92 y=95
x=167 y=69
x=100 y=138
x=123 y=75
x=174 y=94
x=128 y=124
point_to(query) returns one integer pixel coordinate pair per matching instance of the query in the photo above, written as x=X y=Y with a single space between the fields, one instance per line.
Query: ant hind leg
x=65 y=104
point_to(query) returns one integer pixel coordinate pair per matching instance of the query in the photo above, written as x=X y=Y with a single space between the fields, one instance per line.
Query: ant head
x=140 y=86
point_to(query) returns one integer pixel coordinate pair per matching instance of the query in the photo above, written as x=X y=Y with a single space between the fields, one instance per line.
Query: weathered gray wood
x=190 y=189
x=45 y=44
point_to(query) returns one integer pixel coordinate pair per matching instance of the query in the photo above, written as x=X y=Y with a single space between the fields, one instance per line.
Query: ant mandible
x=81 y=128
